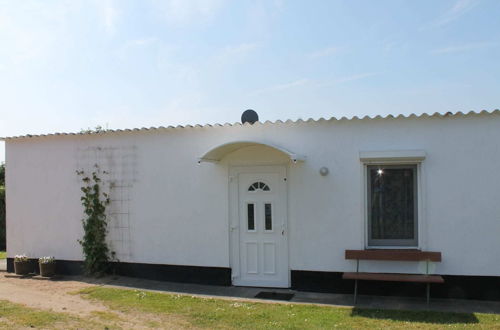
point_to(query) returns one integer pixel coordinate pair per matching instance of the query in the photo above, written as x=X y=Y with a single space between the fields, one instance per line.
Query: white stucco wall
x=177 y=210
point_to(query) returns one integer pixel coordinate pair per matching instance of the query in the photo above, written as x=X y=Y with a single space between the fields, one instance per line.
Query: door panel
x=269 y=258
x=252 y=258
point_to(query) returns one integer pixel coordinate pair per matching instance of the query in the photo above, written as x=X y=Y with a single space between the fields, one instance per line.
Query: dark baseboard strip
x=173 y=273
x=457 y=287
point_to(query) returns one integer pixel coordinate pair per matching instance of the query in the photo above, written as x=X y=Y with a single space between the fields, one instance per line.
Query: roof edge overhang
x=215 y=154
x=422 y=115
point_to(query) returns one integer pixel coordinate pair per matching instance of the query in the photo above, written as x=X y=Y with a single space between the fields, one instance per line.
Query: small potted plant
x=47 y=266
x=22 y=265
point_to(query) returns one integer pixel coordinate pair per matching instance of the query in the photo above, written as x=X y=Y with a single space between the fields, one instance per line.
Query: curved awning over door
x=217 y=153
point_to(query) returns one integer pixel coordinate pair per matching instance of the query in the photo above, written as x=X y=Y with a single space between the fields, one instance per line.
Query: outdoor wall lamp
x=324 y=171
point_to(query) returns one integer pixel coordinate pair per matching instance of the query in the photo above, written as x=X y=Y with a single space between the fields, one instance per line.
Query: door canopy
x=214 y=155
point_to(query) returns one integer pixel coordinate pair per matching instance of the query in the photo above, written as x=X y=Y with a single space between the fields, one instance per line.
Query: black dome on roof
x=249 y=116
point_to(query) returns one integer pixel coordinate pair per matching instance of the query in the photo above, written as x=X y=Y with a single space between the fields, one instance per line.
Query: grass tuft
x=106 y=316
x=23 y=316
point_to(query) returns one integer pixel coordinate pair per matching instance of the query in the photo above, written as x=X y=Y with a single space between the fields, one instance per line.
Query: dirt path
x=47 y=294
x=58 y=296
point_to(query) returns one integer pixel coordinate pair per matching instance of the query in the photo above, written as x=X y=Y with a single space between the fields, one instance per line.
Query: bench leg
x=428 y=293
x=355 y=291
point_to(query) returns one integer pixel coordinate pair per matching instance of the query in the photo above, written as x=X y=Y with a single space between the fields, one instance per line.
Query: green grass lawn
x=16 y=316
x=220 y=313
x=3 y=255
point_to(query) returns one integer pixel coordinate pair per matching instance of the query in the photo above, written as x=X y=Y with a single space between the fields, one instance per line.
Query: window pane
x=268 y=217
x=251 y=216
x=392 y=202
x=259 y=186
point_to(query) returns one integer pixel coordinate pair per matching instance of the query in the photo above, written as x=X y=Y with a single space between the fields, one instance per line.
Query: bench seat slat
x=393 y=255
x=417 y=278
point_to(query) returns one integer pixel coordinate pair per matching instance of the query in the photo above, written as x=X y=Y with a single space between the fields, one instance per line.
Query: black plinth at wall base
x=173 y=273
x=457 y=287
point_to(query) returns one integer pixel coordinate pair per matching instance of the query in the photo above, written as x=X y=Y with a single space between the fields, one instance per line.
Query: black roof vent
x=249 y=116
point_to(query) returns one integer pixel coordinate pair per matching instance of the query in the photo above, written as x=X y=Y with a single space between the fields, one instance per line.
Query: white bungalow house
x=275 y=204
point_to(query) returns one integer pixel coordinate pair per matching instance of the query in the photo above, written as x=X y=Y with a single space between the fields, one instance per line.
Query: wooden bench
x=392 y=255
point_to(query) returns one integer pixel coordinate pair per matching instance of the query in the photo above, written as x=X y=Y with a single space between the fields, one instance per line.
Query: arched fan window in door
x=256 y=186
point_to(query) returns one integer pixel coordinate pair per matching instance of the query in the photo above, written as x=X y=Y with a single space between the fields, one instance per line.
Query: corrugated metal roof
x=268 y=122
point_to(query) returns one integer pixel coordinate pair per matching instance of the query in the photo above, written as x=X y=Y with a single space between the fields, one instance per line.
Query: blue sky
x=68 y=65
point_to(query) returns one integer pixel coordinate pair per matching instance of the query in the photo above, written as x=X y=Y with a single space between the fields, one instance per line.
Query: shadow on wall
x=416 y=316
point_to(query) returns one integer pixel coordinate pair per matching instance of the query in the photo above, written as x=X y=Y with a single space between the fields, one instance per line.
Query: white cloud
x=284 y=86
x=142 y=42
x=138 y=43
x=186 y=12
x=279 y=4
x=185 y=75
x=389 y=46
x=311 y=83
x=127 y=49
x=325 y=52
x=109 y=14
x=463 y=48
x=355 y=77
x=293 y=84
x=460 y=8
x=42 y=32
x=235 y=52
x=31 y=31
x=189 y=107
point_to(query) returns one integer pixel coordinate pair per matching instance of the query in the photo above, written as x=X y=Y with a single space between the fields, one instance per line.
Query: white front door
x=260 y=230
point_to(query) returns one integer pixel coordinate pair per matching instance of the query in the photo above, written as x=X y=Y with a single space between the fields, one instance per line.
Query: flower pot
x=47 y=269
x=23 y=267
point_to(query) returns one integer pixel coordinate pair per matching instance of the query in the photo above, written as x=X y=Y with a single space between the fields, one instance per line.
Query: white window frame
x=395 y=157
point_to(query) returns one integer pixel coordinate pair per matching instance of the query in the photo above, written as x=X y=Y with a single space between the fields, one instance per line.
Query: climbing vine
x=97 y=254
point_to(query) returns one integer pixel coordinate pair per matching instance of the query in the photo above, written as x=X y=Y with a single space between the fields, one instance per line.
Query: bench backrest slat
x=393 y=255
